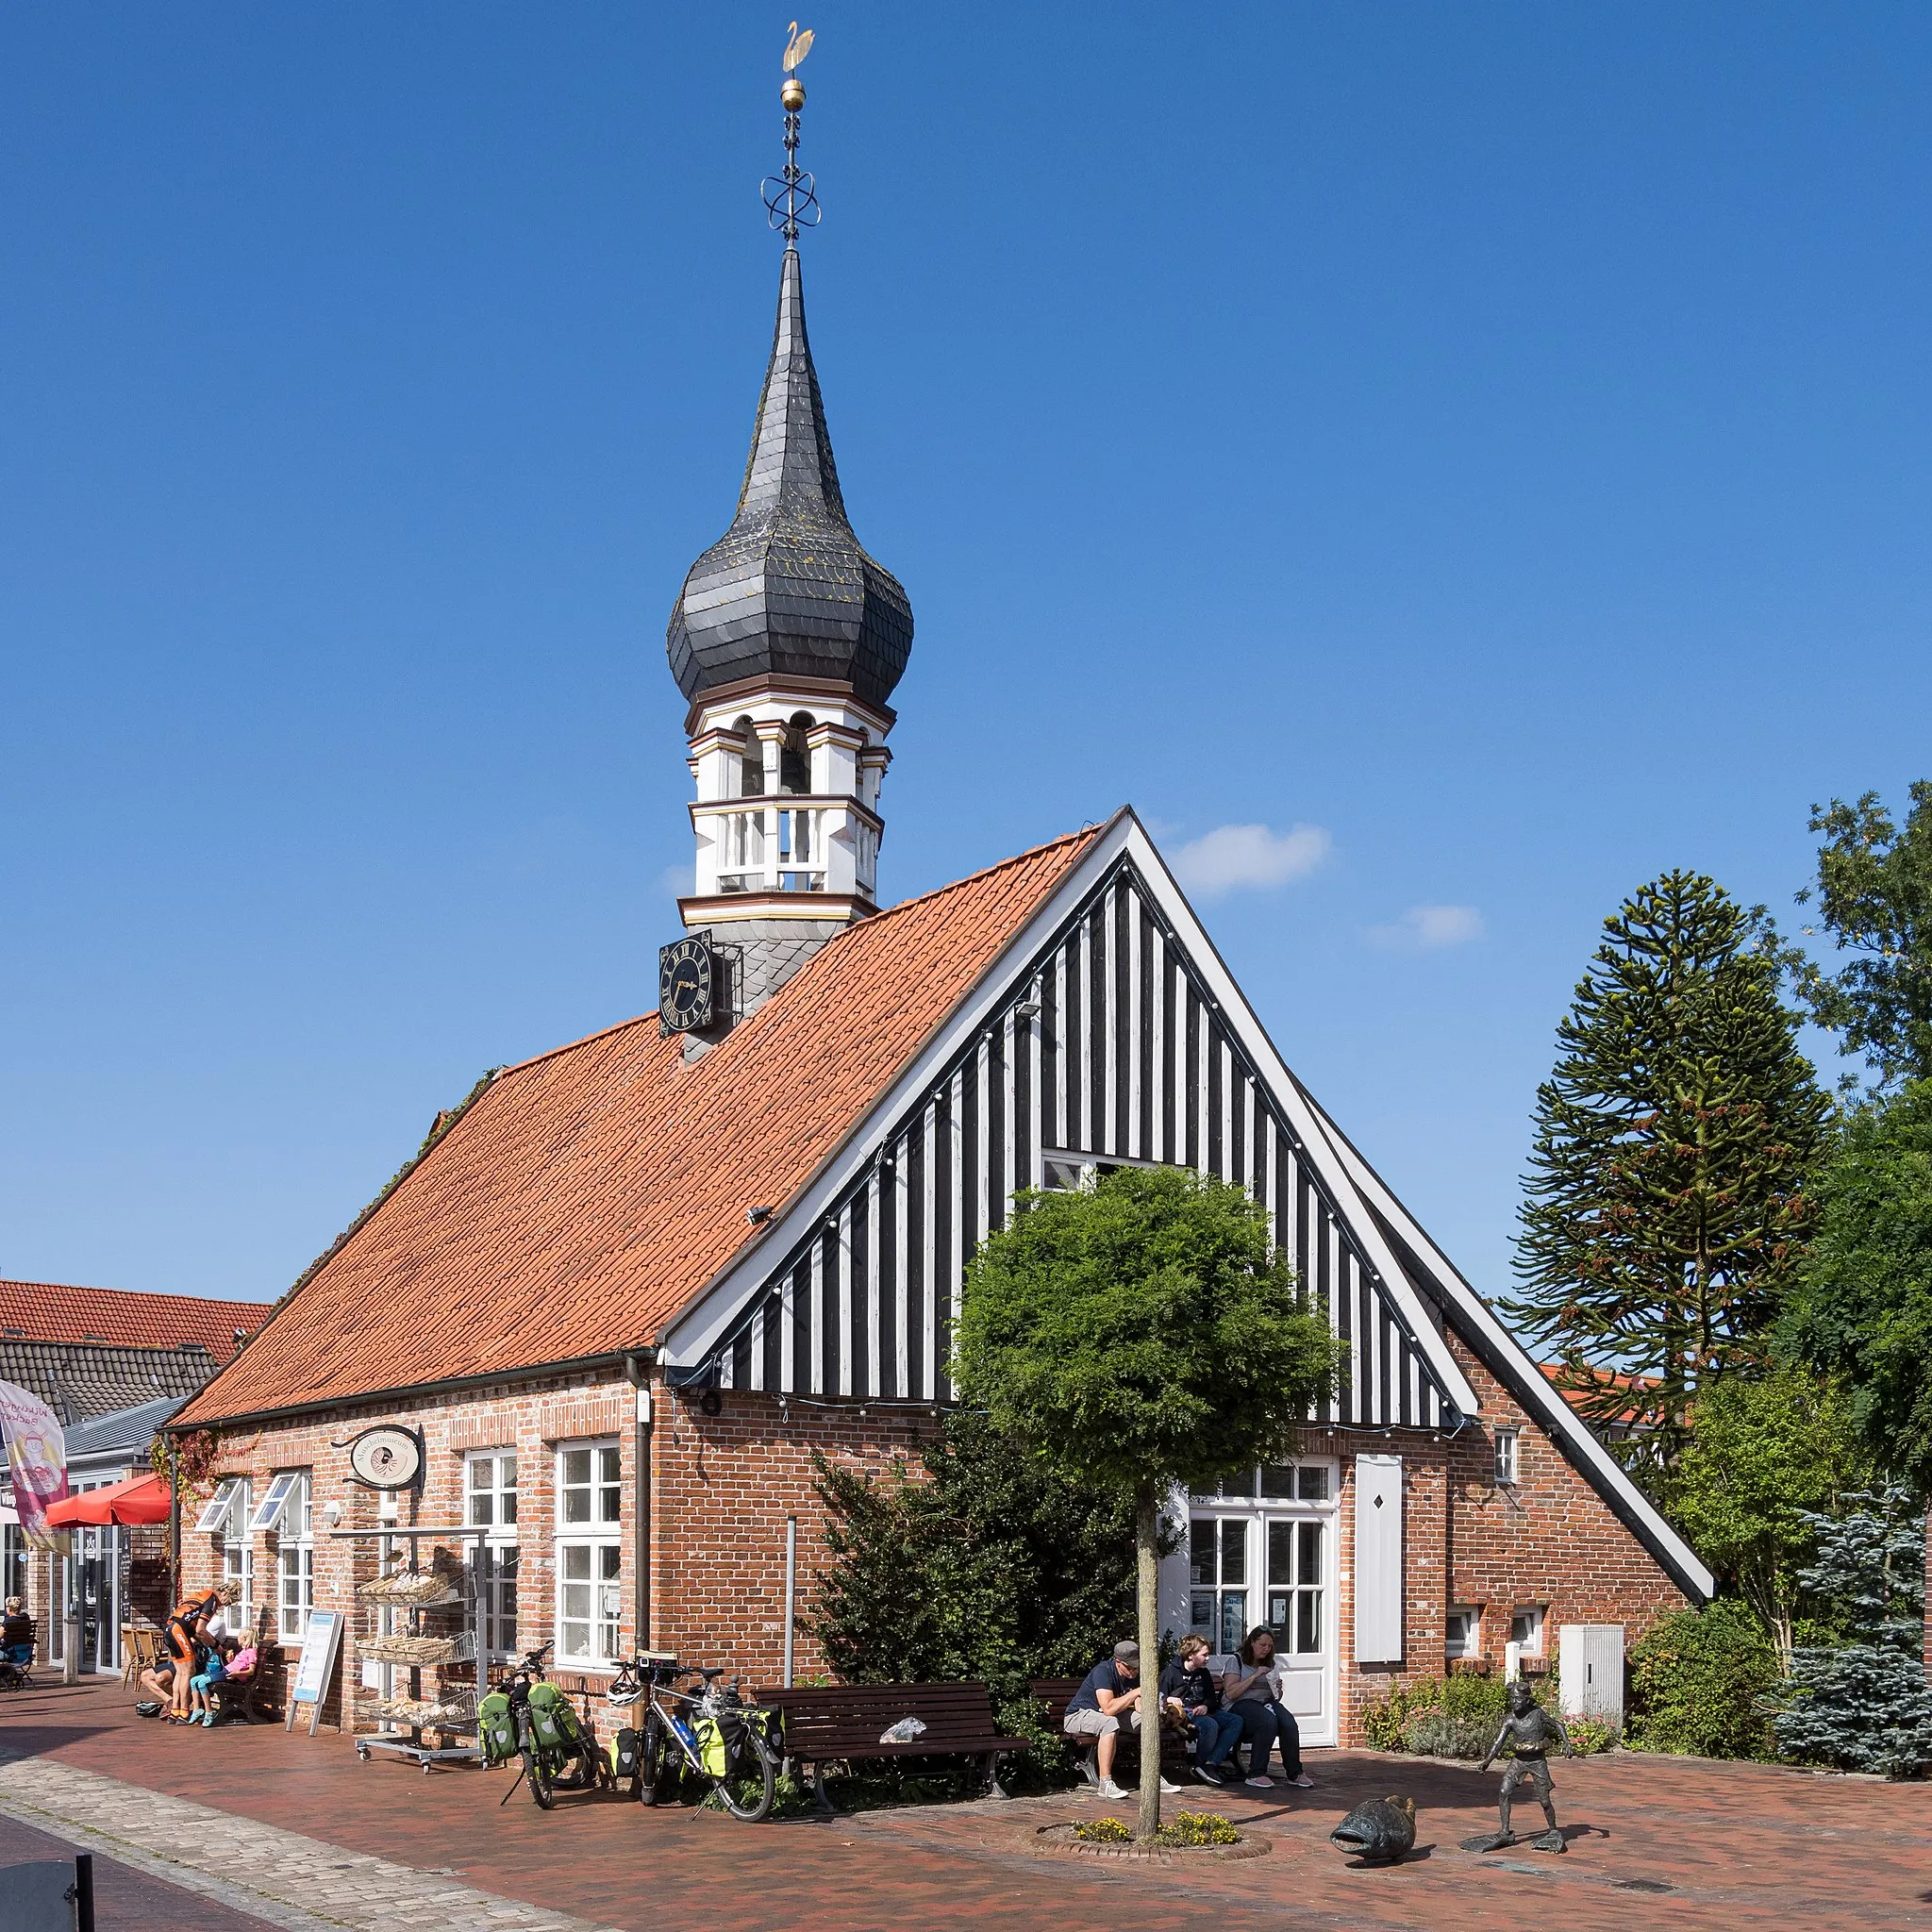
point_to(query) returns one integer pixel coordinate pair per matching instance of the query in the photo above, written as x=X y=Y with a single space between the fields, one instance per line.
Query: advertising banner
x=37 y=1459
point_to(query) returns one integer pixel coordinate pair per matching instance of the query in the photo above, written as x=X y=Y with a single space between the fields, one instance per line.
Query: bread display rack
x=413 y=1591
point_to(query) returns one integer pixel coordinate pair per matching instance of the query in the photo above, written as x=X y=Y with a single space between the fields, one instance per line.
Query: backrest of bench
x=834 y=1718
x=1056 y=1693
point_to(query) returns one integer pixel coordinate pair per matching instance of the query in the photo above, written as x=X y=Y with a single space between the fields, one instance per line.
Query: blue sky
x=1483 y=446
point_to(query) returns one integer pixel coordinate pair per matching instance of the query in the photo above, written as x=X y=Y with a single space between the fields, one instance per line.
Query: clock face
x=684 y=987
x=386 y=1457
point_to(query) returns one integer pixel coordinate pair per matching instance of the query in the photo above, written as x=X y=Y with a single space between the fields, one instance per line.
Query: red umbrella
x=138 y=1499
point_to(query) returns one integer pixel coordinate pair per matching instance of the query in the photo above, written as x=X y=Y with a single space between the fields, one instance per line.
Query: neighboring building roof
x=124 y=1318
x=120 y=1429
x=79 y=1380
x=788 y=591
x=1637 y=1414
x=586 y=1195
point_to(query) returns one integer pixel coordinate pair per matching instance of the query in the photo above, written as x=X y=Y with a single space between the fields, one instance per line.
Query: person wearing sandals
x=1252 y=1694
x=1189 y=1686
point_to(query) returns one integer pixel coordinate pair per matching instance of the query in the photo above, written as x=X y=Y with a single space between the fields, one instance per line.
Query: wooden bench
x=844 y=1724
x=251 y=1698
x=1056 y=1693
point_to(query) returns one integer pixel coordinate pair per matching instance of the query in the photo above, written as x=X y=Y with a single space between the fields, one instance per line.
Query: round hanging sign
x=385 y=1457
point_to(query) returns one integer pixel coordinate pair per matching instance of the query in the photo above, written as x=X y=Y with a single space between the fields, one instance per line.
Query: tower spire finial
x=790 y=199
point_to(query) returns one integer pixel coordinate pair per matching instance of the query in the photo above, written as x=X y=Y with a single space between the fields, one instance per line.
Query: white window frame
x=237 y=1549
x=1078 y=1168
x=499 y=1627
x=1531 y=1645
x=268 y=1512
x=294 y=1554
x=213 y=1520
x=1508 y=1448
x=594 y=1544
x=1470 y=1643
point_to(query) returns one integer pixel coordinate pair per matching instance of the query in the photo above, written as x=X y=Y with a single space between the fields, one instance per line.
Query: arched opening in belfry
x=794 y=755
x=751 y=759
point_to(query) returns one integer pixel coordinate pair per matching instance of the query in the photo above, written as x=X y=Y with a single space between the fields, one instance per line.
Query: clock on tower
x=687 y=986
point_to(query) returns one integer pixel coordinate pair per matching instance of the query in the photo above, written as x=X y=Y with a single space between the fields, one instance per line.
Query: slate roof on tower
x=589 y=1194
x=788 y=590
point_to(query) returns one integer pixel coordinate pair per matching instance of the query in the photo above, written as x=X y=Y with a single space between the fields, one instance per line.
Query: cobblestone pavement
x=125 y=1897
x=1704 y=1847
x=283 y=1877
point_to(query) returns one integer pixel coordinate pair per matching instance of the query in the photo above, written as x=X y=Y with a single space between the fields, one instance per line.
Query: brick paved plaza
x=331 y=1841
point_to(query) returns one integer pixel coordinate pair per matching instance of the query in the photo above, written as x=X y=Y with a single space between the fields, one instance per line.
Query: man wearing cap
x=1109 y=1692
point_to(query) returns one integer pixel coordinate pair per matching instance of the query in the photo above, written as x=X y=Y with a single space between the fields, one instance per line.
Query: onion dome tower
x=787 y=641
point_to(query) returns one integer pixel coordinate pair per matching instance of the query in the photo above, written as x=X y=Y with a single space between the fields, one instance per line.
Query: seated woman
x=17 y=1631
x=1252 y=1694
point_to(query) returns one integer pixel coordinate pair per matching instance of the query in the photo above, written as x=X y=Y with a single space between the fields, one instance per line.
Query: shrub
x=1454 y=1707
x=1436 y=1734
x=1103 y=1831
x=1197 y=1828
x=1591 y=1733
x=1700 y=1680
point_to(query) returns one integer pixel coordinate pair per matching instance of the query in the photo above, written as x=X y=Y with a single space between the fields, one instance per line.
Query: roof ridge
x=158 y=1294
x=503 y=1073
x=1086 y=831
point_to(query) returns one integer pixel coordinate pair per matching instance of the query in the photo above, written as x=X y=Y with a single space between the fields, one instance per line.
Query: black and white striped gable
x=1103 y=1042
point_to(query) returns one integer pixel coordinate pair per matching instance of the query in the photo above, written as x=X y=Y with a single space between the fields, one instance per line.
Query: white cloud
x=1427 y=929
x=1234 y=856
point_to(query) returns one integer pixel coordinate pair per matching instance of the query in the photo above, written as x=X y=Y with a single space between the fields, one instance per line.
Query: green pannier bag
x=552 y=1718
x=496 y=1730
x=714 y=1750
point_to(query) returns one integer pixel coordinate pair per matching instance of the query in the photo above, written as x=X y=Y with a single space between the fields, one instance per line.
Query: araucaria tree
x=1144 y=1335
x=1667 y=1202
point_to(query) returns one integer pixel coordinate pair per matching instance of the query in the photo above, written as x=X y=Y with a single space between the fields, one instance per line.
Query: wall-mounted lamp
x=1027 y=1010
x=332 y=1512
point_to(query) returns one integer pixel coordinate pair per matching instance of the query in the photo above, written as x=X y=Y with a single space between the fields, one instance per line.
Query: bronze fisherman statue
x=1529 y=1730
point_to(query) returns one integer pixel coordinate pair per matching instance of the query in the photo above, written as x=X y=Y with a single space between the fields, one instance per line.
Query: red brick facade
x=722 y=1488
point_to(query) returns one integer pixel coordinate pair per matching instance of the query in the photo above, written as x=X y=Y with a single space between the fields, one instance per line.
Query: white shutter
x=1378 y=1560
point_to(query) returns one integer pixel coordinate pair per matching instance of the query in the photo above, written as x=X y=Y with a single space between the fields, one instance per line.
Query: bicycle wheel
x=538 y=1774
x=748 y=1792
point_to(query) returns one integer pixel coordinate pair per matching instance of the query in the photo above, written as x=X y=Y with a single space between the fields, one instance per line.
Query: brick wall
x=722 y=1486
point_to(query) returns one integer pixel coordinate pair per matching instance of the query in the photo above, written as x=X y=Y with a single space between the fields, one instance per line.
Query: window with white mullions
x=227 y=1517
x=490 y=1488
x=1218 y=1580
x=589 y=1553
x=1296 y=1569
x=285 y=1509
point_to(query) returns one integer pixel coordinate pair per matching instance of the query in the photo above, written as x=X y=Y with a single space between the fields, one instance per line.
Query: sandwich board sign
x=318 y=1665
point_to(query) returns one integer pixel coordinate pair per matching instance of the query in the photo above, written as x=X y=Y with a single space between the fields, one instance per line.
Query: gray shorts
x=1095 y=1723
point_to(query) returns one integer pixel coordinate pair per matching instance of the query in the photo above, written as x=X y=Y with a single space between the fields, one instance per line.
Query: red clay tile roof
x=1580 y=1393
x=124 y=1317
x=586 y=1195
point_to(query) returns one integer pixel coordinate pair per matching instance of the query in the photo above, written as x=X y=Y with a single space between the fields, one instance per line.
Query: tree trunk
x=1147 y=1545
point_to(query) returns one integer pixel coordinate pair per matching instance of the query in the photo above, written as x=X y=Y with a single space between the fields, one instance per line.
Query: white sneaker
x=1108 y=1789
x=1303 y=1781
x=1171 y=1790
x=1263 y=1784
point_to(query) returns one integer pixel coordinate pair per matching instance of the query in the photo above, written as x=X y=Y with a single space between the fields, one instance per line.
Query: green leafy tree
x=1666 y=1195
x=1874 y=893
x=981 y=1565
x=1761 y=1458
x=1139 y=1335
x=1862 y=1307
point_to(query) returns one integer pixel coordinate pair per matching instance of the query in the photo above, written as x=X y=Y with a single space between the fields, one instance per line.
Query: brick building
x=113 y=1365
x=630 y=1286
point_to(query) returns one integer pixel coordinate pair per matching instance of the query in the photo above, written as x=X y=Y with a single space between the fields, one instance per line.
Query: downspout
x=637 y=1369
x=174 y=1521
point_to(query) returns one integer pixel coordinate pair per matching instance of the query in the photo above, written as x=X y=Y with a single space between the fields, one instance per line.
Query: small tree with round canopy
x=1143 y=1335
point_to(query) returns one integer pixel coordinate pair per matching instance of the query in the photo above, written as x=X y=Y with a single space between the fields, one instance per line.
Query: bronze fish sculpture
x=1378 y=1831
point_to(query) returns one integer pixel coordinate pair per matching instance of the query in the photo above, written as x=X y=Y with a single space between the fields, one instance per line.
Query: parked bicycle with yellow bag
x=704 y=1741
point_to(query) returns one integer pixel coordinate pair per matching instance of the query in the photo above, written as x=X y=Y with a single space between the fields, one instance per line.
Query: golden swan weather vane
x=790 y=199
